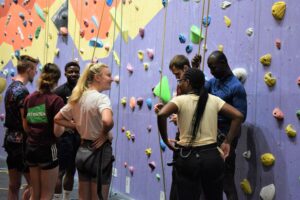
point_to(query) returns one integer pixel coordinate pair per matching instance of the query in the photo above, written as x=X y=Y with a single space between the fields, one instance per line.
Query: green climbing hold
x=39 y=11
x=195 y=35
x=37 y=32
x=162 y=90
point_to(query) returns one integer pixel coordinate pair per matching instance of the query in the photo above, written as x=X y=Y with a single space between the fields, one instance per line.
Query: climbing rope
x=46 y=45
x=80 y=20
x=206 y=34
x=201 y=26
x=161 y=76
x=75 y=26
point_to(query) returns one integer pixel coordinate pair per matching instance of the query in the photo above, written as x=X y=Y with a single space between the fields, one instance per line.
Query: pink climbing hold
x=82 y=33
x=86 y=23
x=63 y=31
x=125 y=164
x=142 y=32
x=278 y=114
x=150 y=54
x=278 y=43
x=152 y=165
x=132 y=103
x=298 y=80
x=131 y=170
x=129 y=68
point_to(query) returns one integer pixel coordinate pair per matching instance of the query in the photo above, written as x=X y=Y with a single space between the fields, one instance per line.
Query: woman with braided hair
x=38 y=121
x=198 y=160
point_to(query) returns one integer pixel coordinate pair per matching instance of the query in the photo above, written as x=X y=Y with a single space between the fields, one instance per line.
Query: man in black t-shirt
x=15 y=137
x=69 y=142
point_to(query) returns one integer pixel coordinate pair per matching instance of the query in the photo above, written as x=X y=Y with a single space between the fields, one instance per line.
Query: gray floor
x=4 y=185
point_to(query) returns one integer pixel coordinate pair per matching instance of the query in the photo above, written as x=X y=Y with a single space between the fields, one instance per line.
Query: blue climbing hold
x=17 y=54
x=189 y=48
x=182 y=38
x=164 y=3
x=149 y=103
x=206 y=21
x=162 y=145
x=96 y=42
x=109 y=2
x=12 y=72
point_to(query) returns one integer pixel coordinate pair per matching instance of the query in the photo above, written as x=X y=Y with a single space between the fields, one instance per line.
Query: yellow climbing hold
x=128 y=135
x=220 y=47
x=123 y=101
x=148 y=152
x=278 y=10
x=116 y=57
x=266 y=59
x=290 y=131
x=267 y=159
x=56 y=52
x=269 y=79
x=227 y=21
x=141 y=55
x=146 y=66
x=246 y=187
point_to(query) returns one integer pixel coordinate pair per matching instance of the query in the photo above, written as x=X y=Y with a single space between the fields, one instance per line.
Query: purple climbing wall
x=262 y=133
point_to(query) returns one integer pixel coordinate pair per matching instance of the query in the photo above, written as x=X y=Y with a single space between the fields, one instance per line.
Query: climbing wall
x=137 y=39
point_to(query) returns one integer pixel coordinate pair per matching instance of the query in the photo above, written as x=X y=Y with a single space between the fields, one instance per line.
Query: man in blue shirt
x=226 y=86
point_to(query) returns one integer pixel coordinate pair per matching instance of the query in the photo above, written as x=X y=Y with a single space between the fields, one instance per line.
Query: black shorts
x=44 y=156
x=67 y=147
x=106 y=160
x=16 y=156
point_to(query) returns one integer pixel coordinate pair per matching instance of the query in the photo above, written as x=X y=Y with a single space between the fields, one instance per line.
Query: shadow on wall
x=253 y=139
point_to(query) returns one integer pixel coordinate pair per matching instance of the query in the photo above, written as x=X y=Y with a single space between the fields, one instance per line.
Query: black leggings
x=196 y=167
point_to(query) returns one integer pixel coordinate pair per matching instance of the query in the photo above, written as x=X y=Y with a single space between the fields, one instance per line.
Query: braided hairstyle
x=48 y=78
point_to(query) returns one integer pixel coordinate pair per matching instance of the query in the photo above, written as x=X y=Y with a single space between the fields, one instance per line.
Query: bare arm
x=162 y=116
x=107 y=120
x=62 y=121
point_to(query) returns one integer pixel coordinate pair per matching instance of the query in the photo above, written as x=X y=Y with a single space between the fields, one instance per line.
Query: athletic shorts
x=44 y=156
x=16 y=156
x=67 y=147
x=106 y=160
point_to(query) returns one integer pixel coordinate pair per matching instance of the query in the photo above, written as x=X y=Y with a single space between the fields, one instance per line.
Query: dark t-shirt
x=39 y=110
x=64 y=91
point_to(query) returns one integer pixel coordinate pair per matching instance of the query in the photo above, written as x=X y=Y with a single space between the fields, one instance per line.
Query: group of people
x=45 y=129
x=50 y=132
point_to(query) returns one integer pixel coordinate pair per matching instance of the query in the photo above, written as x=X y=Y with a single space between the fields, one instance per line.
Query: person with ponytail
x=198 y=161
x=40 y=108
x=89 y=111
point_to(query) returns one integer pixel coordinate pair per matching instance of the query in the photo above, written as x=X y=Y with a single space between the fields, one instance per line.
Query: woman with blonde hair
x=41 y=154
x=89 y=111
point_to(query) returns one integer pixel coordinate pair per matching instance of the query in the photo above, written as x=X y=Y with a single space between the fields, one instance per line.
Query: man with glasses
x=15 y=137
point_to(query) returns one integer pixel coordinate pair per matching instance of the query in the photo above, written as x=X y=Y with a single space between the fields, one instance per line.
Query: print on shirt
x=37 y=114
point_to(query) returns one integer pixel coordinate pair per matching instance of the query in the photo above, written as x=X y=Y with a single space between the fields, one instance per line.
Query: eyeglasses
x=180 y=80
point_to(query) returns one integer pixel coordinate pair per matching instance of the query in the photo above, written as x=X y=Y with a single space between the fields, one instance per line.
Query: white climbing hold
x=247 y=154
x=267 y=192
x=225 y=4
x=249 y=31
x=240 y=73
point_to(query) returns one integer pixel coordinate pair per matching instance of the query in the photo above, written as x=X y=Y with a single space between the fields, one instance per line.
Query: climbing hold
x=39 y=11
x=298 y=80
x=146 y=66
x=140 y=102
x=189 y=48
x=116 y=58
x=149 y=128
x=12 y=72
x=82 y=33
x=56 y=52
x=278 y=10
x=278 y=114
x=142 y=32
x=117 y=79
x=125 y=164
x=297 y=113
x=164 y=3
x=21 y=15
x=278 y=43
x=132 y=103
x=220 y=47
x=2 y=116
x=148 y=152
x=17 y=54
x=107 y=47
x=129 y=68
x=247 y=154
x=8 y=19
x=150 y=53
x=30 y=22
x=162 y=145
x=241 y=74
x=131 y=170
x=225 y=4
x=2 y=84
x=267 y=192
x=95 y=21
x=132 y=137
x=20 y=33
x=149 y=103
x=123 y=101
x=157 y=177
x=141 y=55
x=123 y=129
x=227 y=21
x=182 y=38
x=249 y=31
x=162 y=90
x=267 y=159
x=152 y=165
x=86 y=23
x=246 y=187
x=266 y=59
x=46 y=10
x=128 y=135
x=195 y=34
x=81 y=50
x=206 y=21
x=290 y=131
x=37 y=32
x=109 y=2
x=269 y=79
x=96 y=42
